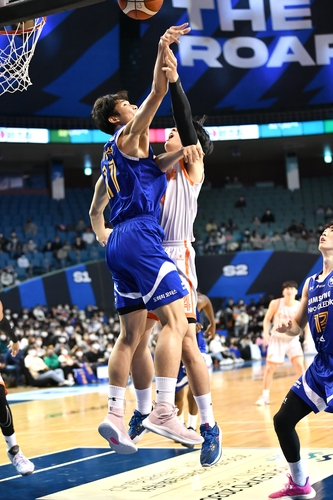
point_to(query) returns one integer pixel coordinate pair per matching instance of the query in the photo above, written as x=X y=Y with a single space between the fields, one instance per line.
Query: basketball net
x=17 y=46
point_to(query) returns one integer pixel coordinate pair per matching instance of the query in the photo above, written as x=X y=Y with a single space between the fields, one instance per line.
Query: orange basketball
x=140 y=9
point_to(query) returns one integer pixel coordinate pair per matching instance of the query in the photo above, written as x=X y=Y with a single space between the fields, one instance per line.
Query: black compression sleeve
x=182 y=114
x=7 y=329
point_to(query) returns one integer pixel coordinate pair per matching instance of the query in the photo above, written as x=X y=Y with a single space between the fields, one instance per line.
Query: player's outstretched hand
x=170 y=65
x=173 y=33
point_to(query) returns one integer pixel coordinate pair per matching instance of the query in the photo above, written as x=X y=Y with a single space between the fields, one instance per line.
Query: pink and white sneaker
x=113 y=429
x=163 y=420
x=292 y=491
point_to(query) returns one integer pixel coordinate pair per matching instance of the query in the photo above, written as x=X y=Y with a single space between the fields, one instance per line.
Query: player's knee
x=281 y=422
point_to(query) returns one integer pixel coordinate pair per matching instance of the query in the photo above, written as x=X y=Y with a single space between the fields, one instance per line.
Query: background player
x=279 y=345
x=133 y=182
x=313 y=391
x=14 y=453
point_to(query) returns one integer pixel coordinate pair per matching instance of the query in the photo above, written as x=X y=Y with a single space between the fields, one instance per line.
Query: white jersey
x=179 y=205
x=283 y=315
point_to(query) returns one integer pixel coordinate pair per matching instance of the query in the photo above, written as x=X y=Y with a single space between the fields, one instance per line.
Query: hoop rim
x=28 y=30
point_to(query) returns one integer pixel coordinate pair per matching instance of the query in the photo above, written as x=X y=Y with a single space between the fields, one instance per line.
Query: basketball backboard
x=15 y=11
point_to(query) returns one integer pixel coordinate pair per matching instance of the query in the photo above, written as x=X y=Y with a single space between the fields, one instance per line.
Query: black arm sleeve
x=182 y=114
x=7 y=329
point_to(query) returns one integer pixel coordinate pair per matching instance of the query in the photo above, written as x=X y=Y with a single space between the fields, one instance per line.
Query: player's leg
x=276 y=353
x=113 y=429
x=163 y=419
x=292 y=410
x=14 y=453
x=192 y=410
x=199 y=381
x=142 y=372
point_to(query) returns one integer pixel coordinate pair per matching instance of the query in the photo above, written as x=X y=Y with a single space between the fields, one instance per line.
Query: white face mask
x=39 y=343
x=96 y=347
x=3 y=337
x=79 y=354
x=64 y=352
x=33 y=352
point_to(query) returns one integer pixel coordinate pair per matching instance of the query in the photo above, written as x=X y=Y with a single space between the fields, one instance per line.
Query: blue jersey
x=320 y=312
x=134 y=186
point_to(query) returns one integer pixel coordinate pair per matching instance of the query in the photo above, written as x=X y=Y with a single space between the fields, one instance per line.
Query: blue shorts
x=315 y=386
x=141 y=270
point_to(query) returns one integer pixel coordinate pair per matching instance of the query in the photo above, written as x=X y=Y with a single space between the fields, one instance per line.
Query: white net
x=17 y=46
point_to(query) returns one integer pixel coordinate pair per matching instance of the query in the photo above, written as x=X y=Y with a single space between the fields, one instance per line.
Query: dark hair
x=104 y=107
x=203 y=137
x=329 y=224
x=291 y=284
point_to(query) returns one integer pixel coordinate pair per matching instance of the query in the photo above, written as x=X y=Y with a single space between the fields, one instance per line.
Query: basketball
x=140 y=9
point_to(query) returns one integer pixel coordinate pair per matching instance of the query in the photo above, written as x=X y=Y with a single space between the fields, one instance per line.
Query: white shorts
x=183 y=256
x=278 y=348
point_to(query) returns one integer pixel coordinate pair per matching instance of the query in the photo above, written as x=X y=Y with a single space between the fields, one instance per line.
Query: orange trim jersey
x=179 y=205
x=179 y=208
x=283 y=315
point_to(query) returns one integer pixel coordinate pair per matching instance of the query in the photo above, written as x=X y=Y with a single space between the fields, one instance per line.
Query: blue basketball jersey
x=320 y=312
x=134 y=186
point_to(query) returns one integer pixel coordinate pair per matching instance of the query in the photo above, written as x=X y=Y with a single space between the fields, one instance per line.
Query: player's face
x=326 y=239
x=125 y=111
x=289 y=292
x=173 y=142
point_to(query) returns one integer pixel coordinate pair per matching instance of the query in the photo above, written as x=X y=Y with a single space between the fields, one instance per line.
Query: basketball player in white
x=279 y=345
x=179 y=209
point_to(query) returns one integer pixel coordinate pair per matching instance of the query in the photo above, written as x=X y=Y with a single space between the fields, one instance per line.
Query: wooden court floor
x=51 y=423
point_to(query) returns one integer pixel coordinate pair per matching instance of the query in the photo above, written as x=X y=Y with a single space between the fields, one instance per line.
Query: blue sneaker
x=136 y=430
x=211 y=450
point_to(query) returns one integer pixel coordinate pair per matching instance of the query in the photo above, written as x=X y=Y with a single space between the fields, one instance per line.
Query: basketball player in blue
x=313 y=391
x=132 y=182
x=178 y=212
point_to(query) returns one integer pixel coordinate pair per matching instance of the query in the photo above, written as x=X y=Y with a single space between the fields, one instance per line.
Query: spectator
x=79 y=244
x=293 y=228
x=14 y=245
x=256 y=221
x=95 y=356
x=30 y=246
x=68 y=363
x=267 y=216
x=56 y=245
x=62 y=254
x=240 y=203
x=39 y=371
x=47 y=247
x=211 y=226
x=3 y=243
x=30 y=227
x=256 y=241
x=328 y=212
x=241 y=322
x=80 y=225
x=88 y=236
x=8 y=276
x=320 y=210
x=51 y=359
x=24 y=263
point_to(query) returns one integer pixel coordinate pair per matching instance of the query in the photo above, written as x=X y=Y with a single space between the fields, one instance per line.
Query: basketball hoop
x=17 y=46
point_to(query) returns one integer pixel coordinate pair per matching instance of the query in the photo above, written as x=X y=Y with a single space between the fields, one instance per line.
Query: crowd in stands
x=57 y=344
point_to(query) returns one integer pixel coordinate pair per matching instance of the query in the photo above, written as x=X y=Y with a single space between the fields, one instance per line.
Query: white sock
x=192 y=421
x=181 y=418
x=265 y=393
x=297 y=473
x=205 y=407
x=143 y=400
x=116 y=397
x=11 y=441
x=165 y=390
